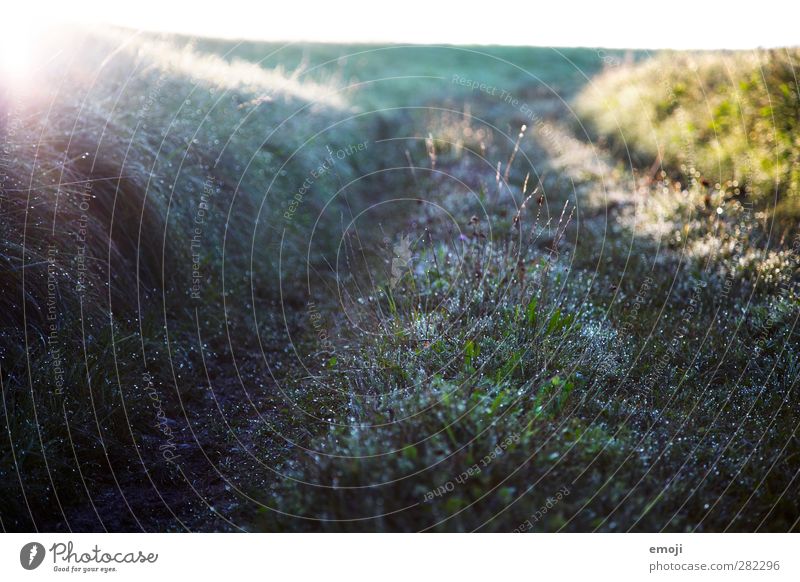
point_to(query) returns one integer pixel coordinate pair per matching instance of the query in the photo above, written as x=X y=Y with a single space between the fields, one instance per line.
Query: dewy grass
x=124 y=207
x=211 y=320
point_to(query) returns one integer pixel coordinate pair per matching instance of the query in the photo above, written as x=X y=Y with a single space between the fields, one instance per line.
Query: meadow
x=302 y=287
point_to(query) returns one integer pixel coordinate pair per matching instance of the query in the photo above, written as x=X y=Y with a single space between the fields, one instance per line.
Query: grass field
x=250 y=286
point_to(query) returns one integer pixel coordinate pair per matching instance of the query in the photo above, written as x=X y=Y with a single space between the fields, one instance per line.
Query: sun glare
x=23 y=35
x=15 y=52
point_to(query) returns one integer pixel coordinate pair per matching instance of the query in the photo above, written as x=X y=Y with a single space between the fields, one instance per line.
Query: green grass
x=642 y=398
x=381 y=76
x=517 y=334
x=726 y=120
x=167 y=170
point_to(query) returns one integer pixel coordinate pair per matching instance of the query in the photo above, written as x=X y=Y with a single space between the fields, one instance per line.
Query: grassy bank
x=143 y=183
x=726 y=121
x=535 y=373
